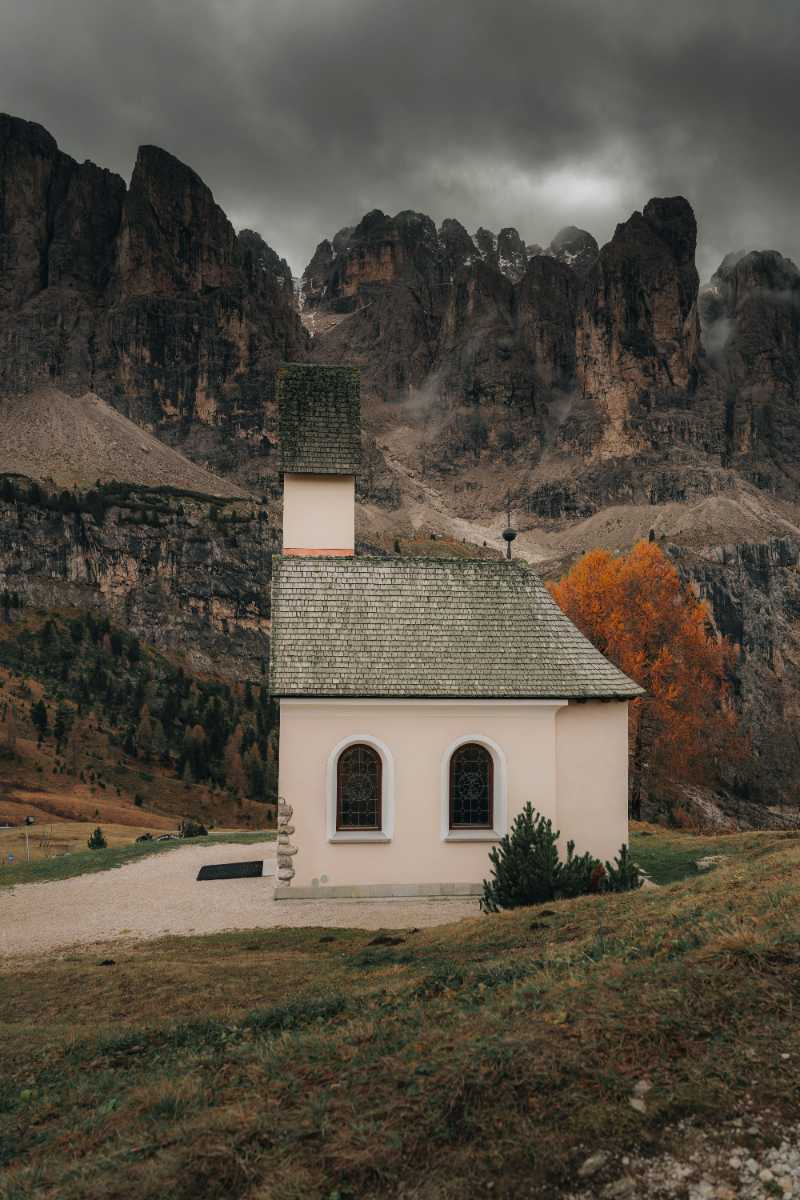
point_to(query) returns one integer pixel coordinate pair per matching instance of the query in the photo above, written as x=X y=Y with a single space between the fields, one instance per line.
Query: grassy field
x=669 y=855
x=487 y=1057
x=85 y=861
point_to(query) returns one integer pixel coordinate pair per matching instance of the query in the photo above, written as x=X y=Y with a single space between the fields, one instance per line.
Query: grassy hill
x=96 y=726
x=492 y=1057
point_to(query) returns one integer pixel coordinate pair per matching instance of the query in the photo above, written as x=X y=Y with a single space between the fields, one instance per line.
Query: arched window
x=471 y=787
x=358 y=788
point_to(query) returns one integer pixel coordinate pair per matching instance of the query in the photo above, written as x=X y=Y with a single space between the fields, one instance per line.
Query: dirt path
x=160 y=895
x=423 y=502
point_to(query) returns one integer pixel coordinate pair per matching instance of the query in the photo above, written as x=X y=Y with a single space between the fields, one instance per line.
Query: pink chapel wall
x=570 y=761
x=318 y=514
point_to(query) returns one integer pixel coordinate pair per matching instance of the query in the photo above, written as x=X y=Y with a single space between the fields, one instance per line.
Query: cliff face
x=581 y=384
x=619 y=324
x=751 y=327
x=186 y=575
x=638 y=337
x=145 y=295
x=576 y=248
x=592 y=358
x=753 y=590
x=478 y=316
x=575 y=378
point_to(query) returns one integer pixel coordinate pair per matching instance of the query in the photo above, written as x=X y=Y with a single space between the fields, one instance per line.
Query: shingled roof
x=319 y=419
x=373 y=627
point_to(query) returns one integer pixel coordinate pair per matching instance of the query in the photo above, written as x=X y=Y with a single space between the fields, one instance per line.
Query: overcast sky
x=301 y=115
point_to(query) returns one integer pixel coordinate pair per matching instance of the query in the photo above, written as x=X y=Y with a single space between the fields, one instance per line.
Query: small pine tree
x=61 y=725
x=254 y=769
x=623 y=875
x=74 y=747
x=39 y=717
x=97 y=841
x=524 y=865
x=527 y=868
x=160 y=747
x=8 y=739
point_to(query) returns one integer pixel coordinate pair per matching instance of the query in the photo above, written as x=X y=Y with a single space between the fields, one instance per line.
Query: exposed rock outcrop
x=144 y=295
x=458 y=248
x=573 y=377
x=314 y=284
x=575 y=248
x=750 y=315
x=753 y=590
x=512 y=257
x=183 y=574
x=638 y=338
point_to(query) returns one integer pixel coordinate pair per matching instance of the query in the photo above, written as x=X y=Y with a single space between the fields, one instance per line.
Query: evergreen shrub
x=528 y=869
x=97 y=840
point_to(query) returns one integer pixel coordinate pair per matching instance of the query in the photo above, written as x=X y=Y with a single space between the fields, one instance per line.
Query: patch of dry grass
x=489 y=1056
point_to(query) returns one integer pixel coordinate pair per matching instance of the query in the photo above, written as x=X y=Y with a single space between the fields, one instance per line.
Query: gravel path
x=160 y=895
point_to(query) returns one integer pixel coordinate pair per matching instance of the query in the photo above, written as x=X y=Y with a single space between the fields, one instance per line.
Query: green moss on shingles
x=319 y=413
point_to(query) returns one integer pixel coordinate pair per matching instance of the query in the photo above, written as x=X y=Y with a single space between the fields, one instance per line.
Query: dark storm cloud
x=301 y=115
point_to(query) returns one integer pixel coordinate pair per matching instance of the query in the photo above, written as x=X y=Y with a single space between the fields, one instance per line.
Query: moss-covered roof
x=428 y=628
x=319 y=419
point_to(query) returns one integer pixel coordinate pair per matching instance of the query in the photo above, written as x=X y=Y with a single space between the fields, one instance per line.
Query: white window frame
x=386 y=831
x=500 y=798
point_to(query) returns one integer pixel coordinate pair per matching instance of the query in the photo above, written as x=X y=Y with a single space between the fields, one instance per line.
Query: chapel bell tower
x=319 y=420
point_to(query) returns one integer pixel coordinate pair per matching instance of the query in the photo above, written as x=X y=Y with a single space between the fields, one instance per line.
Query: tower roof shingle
x=319 y=419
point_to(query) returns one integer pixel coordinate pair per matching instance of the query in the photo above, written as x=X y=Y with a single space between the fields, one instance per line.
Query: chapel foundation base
x=379 y=891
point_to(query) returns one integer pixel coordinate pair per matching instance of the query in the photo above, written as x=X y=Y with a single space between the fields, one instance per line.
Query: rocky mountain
x=575 y=247
x=750 y=313
x=130 y=317
x=186 y=573
x=490 y=324
x=610 y=396
x=144 y=295
x=600 y=388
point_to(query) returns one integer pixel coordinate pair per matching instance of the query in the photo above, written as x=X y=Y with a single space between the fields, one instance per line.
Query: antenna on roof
x=509 y=533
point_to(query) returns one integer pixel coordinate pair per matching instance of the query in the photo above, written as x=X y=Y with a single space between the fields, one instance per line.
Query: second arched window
x=471 y=787
x=359 y=781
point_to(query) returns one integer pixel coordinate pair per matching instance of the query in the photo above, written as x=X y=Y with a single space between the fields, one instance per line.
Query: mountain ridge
x=599 y=389
x=144 y=295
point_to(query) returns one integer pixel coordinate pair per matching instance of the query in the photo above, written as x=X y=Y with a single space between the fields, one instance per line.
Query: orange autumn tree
x=636 y=611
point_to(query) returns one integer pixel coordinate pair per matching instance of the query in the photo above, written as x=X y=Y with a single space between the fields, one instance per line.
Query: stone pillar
x=286 y=850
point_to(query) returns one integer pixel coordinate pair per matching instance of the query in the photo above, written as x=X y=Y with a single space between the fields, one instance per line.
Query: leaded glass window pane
x=358 y=788
x=471 y=787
